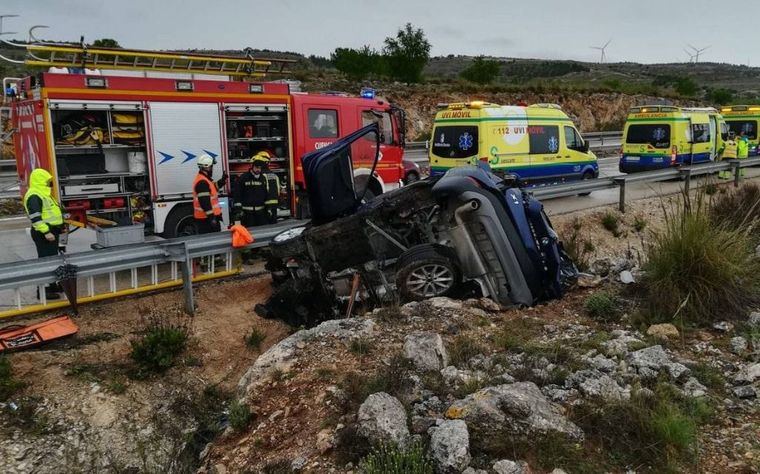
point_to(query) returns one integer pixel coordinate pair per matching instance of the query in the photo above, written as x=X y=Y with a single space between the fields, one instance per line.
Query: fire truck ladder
x=83 y=56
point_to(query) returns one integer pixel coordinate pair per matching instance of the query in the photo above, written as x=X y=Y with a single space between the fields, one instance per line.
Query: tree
x=720 y=96
x=357 y=64
x=686 y=87
x=106 y=43
x=482 y=70
x=407 y=54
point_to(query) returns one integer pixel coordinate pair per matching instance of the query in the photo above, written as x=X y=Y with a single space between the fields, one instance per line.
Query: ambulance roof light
x=754 y=108
x=477 y=104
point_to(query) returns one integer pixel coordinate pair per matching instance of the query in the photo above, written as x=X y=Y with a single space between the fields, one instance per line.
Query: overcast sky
x=641 y=30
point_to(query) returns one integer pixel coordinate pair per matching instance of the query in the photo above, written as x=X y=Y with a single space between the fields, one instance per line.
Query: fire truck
x=122 y=143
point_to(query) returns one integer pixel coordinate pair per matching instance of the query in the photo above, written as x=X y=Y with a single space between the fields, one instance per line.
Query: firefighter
x=728 y=153
x=252 y=193
x=47 y=220
x=206 y=208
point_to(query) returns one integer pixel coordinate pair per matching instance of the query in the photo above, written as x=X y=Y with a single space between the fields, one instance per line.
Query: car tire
x=180 y=222
x=426 y=271
x=586 y=176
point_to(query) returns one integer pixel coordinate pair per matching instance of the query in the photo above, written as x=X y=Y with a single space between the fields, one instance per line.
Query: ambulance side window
x=744 y=127
x=544 y=139
x=323 y=123
x=572 y=139
x=700 y=132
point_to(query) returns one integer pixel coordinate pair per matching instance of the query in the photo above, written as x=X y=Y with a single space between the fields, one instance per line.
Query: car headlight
x=288 y=234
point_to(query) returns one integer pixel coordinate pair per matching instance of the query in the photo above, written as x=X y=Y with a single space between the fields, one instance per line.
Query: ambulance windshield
x=455 y=141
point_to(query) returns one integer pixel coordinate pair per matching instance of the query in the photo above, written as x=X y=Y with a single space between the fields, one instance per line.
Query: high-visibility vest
x=50 y=215
x=273 y=189
x=742 y=148
x=198 y=211
x=729 y=152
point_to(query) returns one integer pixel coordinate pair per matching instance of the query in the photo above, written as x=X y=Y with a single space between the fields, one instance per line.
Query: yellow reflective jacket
x=742 y=148
x=49 y=214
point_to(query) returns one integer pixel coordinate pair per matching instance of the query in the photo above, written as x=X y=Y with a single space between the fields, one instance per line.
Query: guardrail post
x=687 y=184
x=621 y=184
x=178 y=252
x=737 y=172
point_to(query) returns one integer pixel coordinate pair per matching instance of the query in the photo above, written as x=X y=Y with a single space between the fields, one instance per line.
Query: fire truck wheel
x=426 y=271
x=180 y=222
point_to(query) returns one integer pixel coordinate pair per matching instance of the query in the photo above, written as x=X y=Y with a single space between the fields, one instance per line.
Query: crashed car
x=466 y=232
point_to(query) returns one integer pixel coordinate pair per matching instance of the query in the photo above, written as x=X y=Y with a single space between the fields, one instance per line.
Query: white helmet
x=205 y=161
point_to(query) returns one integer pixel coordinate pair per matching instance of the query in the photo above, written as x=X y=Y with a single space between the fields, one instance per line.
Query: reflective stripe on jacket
x=198 y=211
x=50 y=213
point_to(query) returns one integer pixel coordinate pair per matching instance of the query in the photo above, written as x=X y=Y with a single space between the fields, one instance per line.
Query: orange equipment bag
x=240 y=236
x=19 y=337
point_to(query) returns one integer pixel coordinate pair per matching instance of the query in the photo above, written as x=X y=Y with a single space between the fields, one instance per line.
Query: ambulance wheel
x=180 y=222
x=586 y=176
x=426 y=271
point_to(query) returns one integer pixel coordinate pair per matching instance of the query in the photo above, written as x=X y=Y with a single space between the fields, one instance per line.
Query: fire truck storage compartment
x=254 y=128
x=101 y=161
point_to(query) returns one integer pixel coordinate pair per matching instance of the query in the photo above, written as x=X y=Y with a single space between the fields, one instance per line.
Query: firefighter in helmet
x=206 y=208
x=253 y=193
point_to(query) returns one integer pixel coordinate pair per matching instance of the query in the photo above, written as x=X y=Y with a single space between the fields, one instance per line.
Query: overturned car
x=466 y=232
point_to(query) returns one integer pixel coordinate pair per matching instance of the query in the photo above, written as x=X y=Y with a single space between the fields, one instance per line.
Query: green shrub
x=157 y=349
x=697 y=270
x=394 y=460
x=611 y=222
x=463 y=349
x=240 y=415
x=255 y=339
x=577 y=247
x=360 y=346
x=388 y=378
x=8 y=384
x=602 y=305
x=739 y=209
x=639 y=223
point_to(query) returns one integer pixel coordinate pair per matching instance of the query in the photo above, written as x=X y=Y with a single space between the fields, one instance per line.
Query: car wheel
x=425 y=272
x=180 y=222
x=586 y=176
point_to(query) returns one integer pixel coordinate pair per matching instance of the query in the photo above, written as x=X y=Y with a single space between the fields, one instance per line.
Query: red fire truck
x=124 y=148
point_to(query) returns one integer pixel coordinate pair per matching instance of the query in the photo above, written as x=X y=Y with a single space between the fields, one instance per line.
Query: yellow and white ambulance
x=661 y=136
x=537 y=142
x=743 y=120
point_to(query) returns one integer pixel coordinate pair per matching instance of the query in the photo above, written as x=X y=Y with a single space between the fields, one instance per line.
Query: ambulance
x=537 y=143
x=744 y=120
x=659 y=136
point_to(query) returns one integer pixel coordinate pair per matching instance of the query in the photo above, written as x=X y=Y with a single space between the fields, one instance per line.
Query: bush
x=639 y=223
x=8 y=384
x=738 y=209
x=577 y=247
x=395 y=460
x=360 y=346
x=481 y=71
x=255 y=339
x=699 y=270
x=611 y=222
x=159 y=346
x=602 y=305
x=240 y=415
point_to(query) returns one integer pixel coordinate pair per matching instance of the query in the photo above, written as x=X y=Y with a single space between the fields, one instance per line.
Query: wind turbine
x=602 y=49
x=691 y=56
x=697 y=51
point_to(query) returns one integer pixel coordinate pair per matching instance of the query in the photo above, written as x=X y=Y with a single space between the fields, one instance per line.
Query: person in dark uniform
x=47 y=220
x=252 y=193
x=206 y=208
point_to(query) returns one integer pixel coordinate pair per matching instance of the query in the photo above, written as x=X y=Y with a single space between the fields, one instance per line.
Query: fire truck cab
x=124 y=148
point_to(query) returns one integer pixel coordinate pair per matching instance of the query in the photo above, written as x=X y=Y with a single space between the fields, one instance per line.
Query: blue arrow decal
x=212 y=155
x=189 y=155
x=166 y=158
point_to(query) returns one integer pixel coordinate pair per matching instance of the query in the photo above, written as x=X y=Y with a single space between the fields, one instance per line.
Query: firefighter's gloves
x=49 y=237
x=223 y=179
x=213 y=221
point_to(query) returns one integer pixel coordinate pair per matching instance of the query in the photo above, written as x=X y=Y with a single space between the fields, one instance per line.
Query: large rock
x=282 y=355
x=592 y=383
x=748 y=374
x=619 y=345
x=738 y=345
x=450 y=446
x=382 y=420
x=426 y=351
x=649 y=361
x=754 y=319
x=518 y=409
x=505 y=466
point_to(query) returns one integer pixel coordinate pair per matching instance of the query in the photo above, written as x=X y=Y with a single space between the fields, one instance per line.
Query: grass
x=8 y=384
x=388 y=378
x=738 y=209
x=159 y=347
x=462 y=349
x=255 y=338
x=698 y=270
x=708 y=376
x=611 y=222
x=639 y=223
x=602 y=306
x=516 y=335
x=395 y=460
x=360 y=346
x=577 y=247
x=240 y=415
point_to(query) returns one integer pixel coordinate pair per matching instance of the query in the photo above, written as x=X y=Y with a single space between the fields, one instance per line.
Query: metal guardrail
x=179 y=253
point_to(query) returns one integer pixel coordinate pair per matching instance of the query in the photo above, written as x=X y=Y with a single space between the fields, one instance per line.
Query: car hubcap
x=430 y=280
